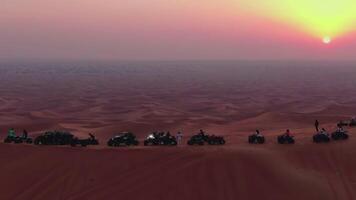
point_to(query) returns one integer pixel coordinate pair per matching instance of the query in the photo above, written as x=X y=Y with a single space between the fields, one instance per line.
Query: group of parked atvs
x=54 y=138
x=161 y=139
x=319 y=137
x=121 y=139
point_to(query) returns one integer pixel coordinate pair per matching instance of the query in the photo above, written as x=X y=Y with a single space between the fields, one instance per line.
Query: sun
x=326 y=40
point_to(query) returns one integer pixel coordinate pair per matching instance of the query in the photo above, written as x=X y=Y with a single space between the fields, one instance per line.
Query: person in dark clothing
x=168 y=134
x=24 y=134
x=258 y=134
x=91 y=136
x=316 y=125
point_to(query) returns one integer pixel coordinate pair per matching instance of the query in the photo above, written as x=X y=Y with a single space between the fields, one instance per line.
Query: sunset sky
x=177 y=29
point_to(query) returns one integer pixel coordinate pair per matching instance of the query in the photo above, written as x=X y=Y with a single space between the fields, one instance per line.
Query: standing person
x=179 y=137
x=24 y=134
x=11 y=132
x=257 y=133
x=317 y=125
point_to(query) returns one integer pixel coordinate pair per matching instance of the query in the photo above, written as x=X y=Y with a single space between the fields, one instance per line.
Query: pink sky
x=154 y=29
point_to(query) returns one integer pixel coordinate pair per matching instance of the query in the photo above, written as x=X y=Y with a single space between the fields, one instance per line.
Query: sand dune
x=229 y=99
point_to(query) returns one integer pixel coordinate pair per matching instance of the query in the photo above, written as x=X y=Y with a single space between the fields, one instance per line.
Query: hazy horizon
x=181 y=30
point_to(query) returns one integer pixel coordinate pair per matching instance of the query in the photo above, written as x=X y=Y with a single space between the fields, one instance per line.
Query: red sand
x=230 y=102
x=235 y=171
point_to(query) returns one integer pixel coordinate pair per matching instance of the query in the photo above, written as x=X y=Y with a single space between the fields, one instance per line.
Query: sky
x=178 y=29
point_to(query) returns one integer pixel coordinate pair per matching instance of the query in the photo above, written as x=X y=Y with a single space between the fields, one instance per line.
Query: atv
x=196 y=140
x=17 y=140
x=160 y=139
x=285 y=139
x=256 y=139
x=343 y=123
x=201 y=139
x=54 y=138
x=339 y=135
x=84 y=142
x=321 y=138
x=123 y=139
x=352 y=122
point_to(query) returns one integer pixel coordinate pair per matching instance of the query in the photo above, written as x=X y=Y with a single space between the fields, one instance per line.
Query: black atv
x=255 y=139
x=201 y=139
x=321 y=138
x=123 y=139
x=343 y=123
x=17 y=140
x=285 y=139
x=196 y=140
x=54 y=138
x=84 y=142
x=352 y=122
x=339 y=135
x=160 y=140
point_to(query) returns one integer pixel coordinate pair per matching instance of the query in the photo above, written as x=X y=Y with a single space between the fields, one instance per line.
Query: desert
x=227 y=98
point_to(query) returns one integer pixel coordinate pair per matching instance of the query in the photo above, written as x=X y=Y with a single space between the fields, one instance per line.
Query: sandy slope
x=235 y=171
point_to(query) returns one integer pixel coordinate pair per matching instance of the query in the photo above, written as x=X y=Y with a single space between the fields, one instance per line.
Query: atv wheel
x=345 y=137
x=7 y=140
x=211 y=142
x=251 y=140
x=261 y=140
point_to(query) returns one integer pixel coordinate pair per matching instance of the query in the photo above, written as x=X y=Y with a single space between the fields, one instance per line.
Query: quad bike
x=123 y=139
x=352 y=122
x=256 y=139
x=84 y=142
x=343 y=123
x=285 y=139
x=215 y=140
x=321 y=138
x=17 y=140
x=160 y=140
x=54 y=138
x=201 y=139
x=196 y=140
x=339 y=135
